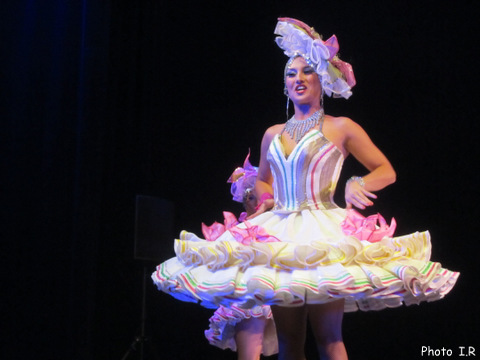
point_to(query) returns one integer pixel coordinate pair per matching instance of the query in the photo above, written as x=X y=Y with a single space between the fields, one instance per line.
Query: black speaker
x=153 y=227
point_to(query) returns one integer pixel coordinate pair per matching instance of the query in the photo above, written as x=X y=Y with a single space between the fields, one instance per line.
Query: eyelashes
x=308 y=70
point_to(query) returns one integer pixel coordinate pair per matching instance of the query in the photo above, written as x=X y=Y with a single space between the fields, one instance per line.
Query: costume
x=306 y=250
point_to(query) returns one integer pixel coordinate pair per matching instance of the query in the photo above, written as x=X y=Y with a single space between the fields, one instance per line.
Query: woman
x=300 y=252
x=304 y=89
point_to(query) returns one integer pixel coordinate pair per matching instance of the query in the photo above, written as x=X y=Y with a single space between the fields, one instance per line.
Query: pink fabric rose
x=251 y=233
x=214 y=231
x=365 y=228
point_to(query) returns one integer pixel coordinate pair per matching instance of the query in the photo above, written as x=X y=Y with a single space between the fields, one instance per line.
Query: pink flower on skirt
x=365 y=228
x=251 y=233
x=214 y=231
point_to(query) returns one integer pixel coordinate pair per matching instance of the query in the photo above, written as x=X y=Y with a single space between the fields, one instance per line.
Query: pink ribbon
x=346 y=69
x=332 y=44
x=214 y=231
x=244 y=236
x=251 y=233
x=365 y=228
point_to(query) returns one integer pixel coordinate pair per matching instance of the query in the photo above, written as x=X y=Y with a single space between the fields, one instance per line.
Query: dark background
x=104 y=100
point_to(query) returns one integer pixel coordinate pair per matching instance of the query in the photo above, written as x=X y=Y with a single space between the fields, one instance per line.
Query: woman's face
x=302 y=83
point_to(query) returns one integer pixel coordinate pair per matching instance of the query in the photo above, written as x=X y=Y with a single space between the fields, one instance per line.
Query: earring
x=288 y=102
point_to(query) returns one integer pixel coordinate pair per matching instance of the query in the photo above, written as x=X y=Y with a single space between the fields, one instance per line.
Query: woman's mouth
x=300 y=89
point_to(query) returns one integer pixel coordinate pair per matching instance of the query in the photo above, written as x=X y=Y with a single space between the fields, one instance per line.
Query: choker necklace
x=298 y=128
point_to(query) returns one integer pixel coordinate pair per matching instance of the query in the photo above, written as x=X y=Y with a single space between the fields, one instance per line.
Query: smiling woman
x=302 y=82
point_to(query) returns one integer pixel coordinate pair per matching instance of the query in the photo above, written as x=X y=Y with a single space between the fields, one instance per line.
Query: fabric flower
x=365 y=228
x=251 y=233
x=214 y=231
x=317 y=51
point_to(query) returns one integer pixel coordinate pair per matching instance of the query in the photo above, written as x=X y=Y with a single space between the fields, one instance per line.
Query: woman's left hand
x=356 y=195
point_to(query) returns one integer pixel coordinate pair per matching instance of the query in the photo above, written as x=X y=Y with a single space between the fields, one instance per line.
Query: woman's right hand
x=356 y=195
x=266 y=205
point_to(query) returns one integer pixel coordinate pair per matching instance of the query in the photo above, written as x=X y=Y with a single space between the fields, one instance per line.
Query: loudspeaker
x=153 y=227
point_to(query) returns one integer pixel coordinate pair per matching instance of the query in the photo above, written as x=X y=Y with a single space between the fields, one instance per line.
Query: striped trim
x=189 y=282
x=313 y=179
x=289 y=164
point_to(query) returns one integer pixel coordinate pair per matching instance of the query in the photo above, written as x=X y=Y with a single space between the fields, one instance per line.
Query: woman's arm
x=264 y=181
x=358 y=143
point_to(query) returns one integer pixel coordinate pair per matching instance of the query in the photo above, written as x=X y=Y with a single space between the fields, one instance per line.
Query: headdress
x=298 y=39
x=242 y=179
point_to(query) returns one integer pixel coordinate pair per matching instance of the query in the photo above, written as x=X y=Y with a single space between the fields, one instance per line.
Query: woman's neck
x=303 y=112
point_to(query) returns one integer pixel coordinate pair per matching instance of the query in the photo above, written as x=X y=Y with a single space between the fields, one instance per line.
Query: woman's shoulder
x=274 y=130
x=342 y=123
x=345 y=127
x=339 y=120
x=270 y=133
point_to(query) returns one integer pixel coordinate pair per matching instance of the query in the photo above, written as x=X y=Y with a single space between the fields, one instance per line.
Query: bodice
x=307 y=178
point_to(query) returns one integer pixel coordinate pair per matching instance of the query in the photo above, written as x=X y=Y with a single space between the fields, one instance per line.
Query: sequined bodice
x=307 y=178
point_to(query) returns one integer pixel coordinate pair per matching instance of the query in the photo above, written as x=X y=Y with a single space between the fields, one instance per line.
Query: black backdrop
x=101 y=101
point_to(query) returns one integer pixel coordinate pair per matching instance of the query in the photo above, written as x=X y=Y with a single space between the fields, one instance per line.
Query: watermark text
x=466 y=351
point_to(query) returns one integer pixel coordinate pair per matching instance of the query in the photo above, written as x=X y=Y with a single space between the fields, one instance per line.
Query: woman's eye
x=309 y=70
x=291 y=73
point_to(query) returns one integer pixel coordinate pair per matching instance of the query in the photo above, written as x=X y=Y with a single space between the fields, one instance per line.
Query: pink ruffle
x=365 y=228
x=346 y=69
x=212 y=232
x=221 y=332
x=242 y=235
x=251 y=233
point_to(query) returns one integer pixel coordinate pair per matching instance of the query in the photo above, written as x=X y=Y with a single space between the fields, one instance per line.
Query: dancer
x=249 y=332
x=300 y=252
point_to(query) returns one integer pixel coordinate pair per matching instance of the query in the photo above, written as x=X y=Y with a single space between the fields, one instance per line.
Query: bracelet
x=265 y=196
x=358 y=179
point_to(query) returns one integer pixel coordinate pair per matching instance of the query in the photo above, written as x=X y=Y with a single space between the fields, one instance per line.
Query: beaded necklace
x=298 y=128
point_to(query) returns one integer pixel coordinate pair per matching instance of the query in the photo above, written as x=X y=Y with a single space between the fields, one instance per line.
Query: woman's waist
x=306 y=204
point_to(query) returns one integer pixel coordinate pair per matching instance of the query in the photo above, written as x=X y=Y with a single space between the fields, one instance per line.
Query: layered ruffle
x=221 y=332
x=318 y=264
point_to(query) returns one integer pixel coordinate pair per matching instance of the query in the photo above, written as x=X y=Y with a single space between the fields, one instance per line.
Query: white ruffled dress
x=300 y=253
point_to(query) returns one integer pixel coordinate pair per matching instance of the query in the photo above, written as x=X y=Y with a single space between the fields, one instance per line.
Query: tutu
x=304 y=250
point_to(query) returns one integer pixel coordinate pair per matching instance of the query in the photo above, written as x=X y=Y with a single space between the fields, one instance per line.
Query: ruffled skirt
x=222 y=330
x=292 y=258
